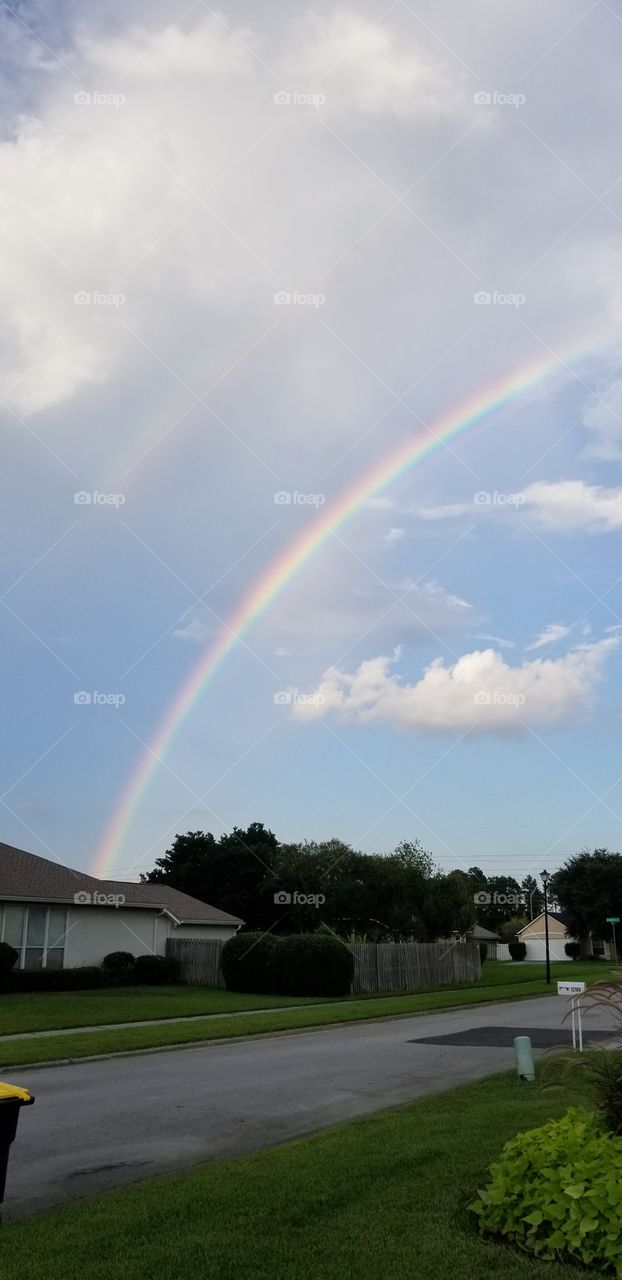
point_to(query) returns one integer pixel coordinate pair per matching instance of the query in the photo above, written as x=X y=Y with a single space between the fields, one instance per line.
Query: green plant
x=483 y=951
x=119 y=966
x=80 y=979
x=517 y=950
x=8 y=957
x=556 y=1191
x=300 y=964
x=157 y=970
x=599 y=1073
x=573 y=949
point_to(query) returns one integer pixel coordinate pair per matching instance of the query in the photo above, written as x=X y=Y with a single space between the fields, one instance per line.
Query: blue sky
x=167 y=174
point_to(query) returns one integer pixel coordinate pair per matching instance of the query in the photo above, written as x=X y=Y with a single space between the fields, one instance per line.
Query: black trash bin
x=12 y=1097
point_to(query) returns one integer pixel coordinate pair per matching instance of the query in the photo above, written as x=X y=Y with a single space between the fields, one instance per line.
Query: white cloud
x=551 y=634
x=570 y=505
x=480 y=692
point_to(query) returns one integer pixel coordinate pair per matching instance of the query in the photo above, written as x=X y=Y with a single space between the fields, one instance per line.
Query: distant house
x=532 y=935
x=477 y=933
x=57 y=918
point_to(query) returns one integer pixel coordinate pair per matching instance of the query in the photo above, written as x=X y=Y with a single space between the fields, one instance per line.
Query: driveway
x=102 y=1124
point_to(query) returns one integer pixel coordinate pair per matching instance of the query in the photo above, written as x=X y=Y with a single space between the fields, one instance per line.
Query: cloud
x=567 y=506
x=551 y=634
x=480 y=693
x=603 y=421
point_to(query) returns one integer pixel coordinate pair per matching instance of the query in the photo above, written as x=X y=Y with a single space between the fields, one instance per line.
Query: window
x=36 y=932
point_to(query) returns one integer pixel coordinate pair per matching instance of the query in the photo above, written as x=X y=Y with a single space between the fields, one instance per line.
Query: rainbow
x=477 y=409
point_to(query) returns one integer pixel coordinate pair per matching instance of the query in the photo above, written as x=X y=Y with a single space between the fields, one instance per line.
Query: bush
x=312 y=965
x=80 y=979
x=119 y=966
x=517 y=950
x=483 y=951
x=556 y=1192
x=157 y=970
x=303 y=964
x=573 y=949
x=250 y=962
x=8 y=958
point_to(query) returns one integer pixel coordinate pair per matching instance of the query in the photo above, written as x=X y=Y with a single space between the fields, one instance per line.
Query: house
x=532 y=935
x=57 y=918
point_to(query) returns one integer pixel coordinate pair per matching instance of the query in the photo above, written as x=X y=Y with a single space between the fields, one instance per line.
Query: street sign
x=570 y=988
x=574 y=989
x=613 y=919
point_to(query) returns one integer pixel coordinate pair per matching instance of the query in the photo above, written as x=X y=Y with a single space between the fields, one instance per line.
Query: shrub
x=598 y=1073
x=80 y=979
x=517 y=950
x=8 y=958
x=301 y=964
x=556 y=1192
x=573 y=949
x=483 y=951
x=250 y=962
x=157 y=970
x=312 y=965
x=119 y=966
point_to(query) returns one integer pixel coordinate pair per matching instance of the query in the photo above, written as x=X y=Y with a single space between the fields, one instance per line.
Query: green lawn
x=383 y=1198
x=84 y=1044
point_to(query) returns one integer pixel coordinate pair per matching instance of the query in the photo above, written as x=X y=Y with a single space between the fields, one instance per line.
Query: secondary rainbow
x=289 y=562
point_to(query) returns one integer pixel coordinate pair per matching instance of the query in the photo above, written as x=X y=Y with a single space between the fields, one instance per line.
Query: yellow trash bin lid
x=14 y=1091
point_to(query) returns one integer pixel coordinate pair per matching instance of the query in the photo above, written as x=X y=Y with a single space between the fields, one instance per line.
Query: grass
x=381 y=1198
x=165 y=1035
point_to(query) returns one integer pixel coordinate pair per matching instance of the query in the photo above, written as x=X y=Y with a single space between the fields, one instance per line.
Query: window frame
x=23 y=948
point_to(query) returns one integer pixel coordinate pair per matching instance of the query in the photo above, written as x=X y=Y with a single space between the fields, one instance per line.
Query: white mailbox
x=574 y=989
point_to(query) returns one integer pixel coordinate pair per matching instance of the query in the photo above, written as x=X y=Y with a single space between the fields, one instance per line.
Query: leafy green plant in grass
x=556 y=1191
x=517 y=950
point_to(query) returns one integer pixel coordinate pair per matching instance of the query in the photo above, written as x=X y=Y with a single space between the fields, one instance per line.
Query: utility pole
x=544 y=876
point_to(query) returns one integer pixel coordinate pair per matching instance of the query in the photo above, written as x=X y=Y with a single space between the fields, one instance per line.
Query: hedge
x=573 y=949
x=301 y=964
x=517 y=950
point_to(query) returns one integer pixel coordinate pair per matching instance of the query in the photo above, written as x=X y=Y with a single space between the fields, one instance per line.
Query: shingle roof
x=27 y=876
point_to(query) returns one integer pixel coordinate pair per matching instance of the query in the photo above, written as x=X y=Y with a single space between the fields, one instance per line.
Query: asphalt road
x=98 y=1125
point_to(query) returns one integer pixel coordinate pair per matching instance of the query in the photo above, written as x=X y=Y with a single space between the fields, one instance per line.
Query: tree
x=589 y=888
x=534 y=897
x=235 y=872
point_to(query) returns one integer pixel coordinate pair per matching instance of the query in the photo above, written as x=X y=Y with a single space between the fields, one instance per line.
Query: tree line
x=298 y=887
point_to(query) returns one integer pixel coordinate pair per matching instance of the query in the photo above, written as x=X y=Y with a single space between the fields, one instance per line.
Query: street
x=98 y=1125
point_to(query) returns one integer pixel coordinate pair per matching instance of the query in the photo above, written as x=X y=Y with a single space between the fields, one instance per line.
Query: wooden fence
x=199 y=959
x=406 y=966
x=382 y=966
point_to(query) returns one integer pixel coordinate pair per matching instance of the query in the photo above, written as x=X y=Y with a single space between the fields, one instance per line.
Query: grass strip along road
x=164 y=1035
x=379 y=1198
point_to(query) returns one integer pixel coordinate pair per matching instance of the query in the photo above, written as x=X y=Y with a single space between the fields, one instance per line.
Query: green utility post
x=613 y=921
x=525 y=1069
